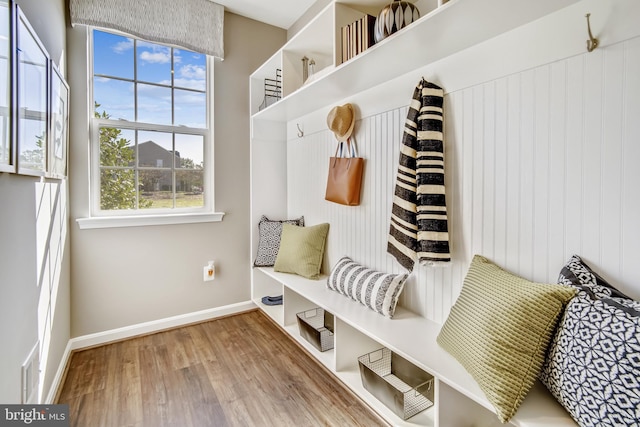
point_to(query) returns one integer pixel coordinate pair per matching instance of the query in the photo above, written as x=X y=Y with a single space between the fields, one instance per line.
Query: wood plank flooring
x=236 y=371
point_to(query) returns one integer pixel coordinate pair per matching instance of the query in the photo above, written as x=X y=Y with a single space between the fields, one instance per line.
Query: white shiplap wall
x=540 y=164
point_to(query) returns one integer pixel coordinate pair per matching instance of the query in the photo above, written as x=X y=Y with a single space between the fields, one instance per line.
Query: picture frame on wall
x=59 y=124
x=7 y=147
x=32 y=100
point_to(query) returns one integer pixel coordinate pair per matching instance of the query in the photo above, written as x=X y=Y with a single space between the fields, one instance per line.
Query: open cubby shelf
x=359 y=330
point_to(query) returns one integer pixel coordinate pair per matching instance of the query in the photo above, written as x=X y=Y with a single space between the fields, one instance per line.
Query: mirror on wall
x=6 y=151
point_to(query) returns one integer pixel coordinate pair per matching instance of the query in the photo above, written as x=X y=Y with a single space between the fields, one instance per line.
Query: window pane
x=117 y=147
x=190 y=108
x=117 y=189
x=189 y=151
x=154 y=104
x=152 y=86
x=189 y=186
x=156 y=189
x=155 y=149
x=114 y=98
x=113 y=55
x=190 y=70
x=154 y=63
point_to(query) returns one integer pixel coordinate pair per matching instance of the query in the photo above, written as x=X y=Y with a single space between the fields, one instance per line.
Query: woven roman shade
x=195 y=25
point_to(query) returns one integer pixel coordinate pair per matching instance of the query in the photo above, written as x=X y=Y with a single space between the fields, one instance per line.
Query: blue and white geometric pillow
x=593 y=363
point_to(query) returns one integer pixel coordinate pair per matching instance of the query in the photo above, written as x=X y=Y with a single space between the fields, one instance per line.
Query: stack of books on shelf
x=358 y=37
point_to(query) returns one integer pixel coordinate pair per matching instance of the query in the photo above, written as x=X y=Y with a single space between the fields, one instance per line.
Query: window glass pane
x=5 y=82
x=189 y=151
x=117 y=189
x=113 y=55
x=154 y=104
x=189 y=186
x=32 y=98
x=190 y=108
x=114 y=98
x=156 y=189
x=117 y=147
x=153 y=63
x=155 y=149
x=149 y=84
x=190 y=70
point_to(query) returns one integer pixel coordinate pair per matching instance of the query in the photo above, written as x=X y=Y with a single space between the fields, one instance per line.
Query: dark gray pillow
x=269 y=232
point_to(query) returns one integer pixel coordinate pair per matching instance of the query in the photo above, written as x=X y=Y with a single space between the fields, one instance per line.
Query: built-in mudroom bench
x=359 y=330
x=524 y=127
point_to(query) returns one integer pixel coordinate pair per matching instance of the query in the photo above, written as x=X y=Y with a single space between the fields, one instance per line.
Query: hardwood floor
x=235 y=371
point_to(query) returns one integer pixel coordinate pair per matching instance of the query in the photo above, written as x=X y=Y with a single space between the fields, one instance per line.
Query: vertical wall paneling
x=540 y=164
x=610 y=158
x=630 y=158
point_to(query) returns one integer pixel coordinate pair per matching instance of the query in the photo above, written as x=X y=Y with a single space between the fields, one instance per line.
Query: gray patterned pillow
x=269 y=232
x=578 y=274
x=378 y=291
x=593 y=364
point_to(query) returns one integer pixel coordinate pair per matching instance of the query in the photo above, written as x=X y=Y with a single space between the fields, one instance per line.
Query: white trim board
x=99 y=338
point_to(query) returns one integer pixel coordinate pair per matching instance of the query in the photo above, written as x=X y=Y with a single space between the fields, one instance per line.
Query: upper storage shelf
x=450 y=28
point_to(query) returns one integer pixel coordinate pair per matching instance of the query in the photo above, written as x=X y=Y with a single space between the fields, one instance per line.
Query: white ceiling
x=281 y=13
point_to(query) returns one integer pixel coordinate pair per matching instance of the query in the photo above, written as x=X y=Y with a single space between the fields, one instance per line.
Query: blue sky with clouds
x=115 y=56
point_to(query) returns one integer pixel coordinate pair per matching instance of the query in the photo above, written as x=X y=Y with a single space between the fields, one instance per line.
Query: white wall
x=125 y=276
x=34 y=249
x=541 y=154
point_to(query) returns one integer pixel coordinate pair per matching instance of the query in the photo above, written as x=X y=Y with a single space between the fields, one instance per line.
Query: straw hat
x=341 y=120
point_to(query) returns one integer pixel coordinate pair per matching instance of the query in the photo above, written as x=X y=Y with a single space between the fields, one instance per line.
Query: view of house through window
x=150 y=125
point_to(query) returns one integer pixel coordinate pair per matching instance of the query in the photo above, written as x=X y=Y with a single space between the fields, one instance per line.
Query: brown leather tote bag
x=345 y=176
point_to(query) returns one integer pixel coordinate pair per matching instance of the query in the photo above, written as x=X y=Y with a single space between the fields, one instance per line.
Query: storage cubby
x=268 y=70
x=316 y=43
x=264 y=285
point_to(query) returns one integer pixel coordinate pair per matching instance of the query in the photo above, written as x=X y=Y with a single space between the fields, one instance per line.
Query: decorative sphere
x=393 y=17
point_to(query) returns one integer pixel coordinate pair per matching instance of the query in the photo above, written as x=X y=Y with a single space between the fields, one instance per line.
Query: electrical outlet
x=209 y=272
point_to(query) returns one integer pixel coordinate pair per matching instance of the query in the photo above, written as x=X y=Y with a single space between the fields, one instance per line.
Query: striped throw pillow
x=377 y=291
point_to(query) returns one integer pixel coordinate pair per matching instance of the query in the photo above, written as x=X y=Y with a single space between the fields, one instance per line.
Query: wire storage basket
x=316 y=326
x=403 y=387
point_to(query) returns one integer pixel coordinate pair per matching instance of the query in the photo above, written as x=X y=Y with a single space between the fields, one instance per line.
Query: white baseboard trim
x=100 y=338
x=57 y=380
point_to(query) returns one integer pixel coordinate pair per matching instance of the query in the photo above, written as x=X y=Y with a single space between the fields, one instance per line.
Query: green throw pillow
x=301 y=250
x=499 y=330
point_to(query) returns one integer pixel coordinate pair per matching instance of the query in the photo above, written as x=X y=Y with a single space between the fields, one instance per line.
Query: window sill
x=145 y=220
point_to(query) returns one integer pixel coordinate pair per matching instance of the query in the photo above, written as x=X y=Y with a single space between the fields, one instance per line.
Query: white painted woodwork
x=541 y=163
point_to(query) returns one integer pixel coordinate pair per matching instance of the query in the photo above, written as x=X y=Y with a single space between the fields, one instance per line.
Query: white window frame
x=140 y=217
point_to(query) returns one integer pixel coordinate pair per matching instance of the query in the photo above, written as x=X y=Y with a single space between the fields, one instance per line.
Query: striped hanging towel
x=419 y=227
